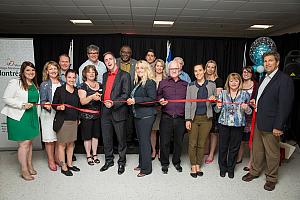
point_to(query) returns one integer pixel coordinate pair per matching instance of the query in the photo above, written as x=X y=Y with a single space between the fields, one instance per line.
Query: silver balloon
x=259 y=47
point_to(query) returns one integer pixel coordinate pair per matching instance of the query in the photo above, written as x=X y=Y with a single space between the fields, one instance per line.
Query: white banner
x=13 y=52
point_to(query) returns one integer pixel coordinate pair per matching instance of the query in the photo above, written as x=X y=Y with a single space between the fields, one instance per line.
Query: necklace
x=91 y=84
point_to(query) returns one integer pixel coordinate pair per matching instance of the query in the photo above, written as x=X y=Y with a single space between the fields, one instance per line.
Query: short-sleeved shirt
x=92 y=105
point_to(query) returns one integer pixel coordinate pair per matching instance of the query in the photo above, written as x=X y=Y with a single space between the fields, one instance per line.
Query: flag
x=169 y=56
x=245 y=60
x=71 y=54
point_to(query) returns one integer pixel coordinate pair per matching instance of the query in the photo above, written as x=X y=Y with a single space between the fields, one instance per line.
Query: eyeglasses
x=93 y=53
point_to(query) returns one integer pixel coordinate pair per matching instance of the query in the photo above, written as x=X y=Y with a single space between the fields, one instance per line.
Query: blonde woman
x=51 y=81
x=159 y=74
x=144 y=114
x=19 y=98
x=232 y=107
x=211 y=74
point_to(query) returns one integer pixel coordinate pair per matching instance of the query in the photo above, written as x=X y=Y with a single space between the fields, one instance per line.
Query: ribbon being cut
x=169 y=101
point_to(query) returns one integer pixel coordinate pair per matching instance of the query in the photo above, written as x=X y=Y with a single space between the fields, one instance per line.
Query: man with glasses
x=93 y=59
x=172 y=120
x=182 y=75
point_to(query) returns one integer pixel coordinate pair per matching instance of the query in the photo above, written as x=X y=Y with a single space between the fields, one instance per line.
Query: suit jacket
x=14 y=97
x=59 y=98
x=275 y=103
x=132 y=68
x=46 y=92
x=146 y=93
x=120 y=92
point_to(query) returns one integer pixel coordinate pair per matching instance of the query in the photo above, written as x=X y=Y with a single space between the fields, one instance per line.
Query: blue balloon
x=254 y=67
x=258 y=52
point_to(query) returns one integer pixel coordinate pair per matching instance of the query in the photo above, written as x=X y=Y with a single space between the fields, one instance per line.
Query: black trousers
x=108 y=126
x=230 y=139
x=143 y=128
x=171 y=127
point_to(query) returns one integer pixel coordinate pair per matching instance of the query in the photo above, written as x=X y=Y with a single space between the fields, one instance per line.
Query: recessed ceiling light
x=81 y=21
x=163 y=23
x=259 y=26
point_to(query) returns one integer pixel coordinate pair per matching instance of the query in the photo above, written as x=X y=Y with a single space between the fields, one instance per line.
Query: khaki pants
x=197 y=138
x=266 y=147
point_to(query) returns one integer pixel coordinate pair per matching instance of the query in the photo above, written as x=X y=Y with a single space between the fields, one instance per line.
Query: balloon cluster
x=258 y=48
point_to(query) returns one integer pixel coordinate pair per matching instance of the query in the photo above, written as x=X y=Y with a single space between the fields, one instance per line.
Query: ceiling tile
x=118 y=10
x=143 y=10
x=66 y=10
x=60 y=2
x=229 y=5
x=120 y=17
x=165 y=18
x=168 y=11
x=98 y=17
x=194 y=12
x=84 y=2
x=92 y=10
x=148 y=3
x=117 y=3
x=143 y=17
x=196 y=4
x=172 y=3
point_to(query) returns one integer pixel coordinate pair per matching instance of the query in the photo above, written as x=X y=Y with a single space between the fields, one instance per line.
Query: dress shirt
x=109 y=84
x=170 y=89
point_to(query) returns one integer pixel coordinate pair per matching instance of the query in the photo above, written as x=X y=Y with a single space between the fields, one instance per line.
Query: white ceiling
x=229 y=18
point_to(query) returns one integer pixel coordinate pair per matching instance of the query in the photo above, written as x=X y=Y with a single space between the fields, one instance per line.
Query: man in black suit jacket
x=273 y=103
x=127 y=63
x=116 y=87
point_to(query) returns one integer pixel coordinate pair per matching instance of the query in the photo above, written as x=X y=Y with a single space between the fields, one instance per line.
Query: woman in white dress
x=51 y=80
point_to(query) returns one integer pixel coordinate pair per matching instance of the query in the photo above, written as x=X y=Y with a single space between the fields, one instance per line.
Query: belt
x=173 y=115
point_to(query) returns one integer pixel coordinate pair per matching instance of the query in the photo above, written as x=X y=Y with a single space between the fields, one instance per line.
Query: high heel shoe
x=193 y=174
x=26 y=176
x=52 y=166
x=32 y=171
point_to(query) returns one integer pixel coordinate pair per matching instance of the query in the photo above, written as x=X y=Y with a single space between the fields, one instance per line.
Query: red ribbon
x=72 y=107
x=252 y=129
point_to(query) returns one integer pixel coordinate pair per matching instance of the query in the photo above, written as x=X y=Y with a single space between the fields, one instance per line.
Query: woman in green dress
x=22 y=118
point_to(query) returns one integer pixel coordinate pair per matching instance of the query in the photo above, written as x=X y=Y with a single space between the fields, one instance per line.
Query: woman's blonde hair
x=164 y=68
x=148 y=73
x=45 y=74
x=233 y=76
x=216 y=68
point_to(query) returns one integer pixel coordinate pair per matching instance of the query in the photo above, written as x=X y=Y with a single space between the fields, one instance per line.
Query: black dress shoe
x=178 y=167
x=199 y=173
x=121 y=169
x=164 y=169
x=239 y=162
x=74 y=168
x=222 y=174
x=106 y=166
x=193 y=174
x=231 y=174
x=67 y=172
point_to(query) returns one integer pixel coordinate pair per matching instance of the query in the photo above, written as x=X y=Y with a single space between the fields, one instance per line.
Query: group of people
x=123 y=94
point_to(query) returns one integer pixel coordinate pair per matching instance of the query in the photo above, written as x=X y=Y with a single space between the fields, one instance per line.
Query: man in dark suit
x=116 y=87
x=273 y=103
x=127 y=64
